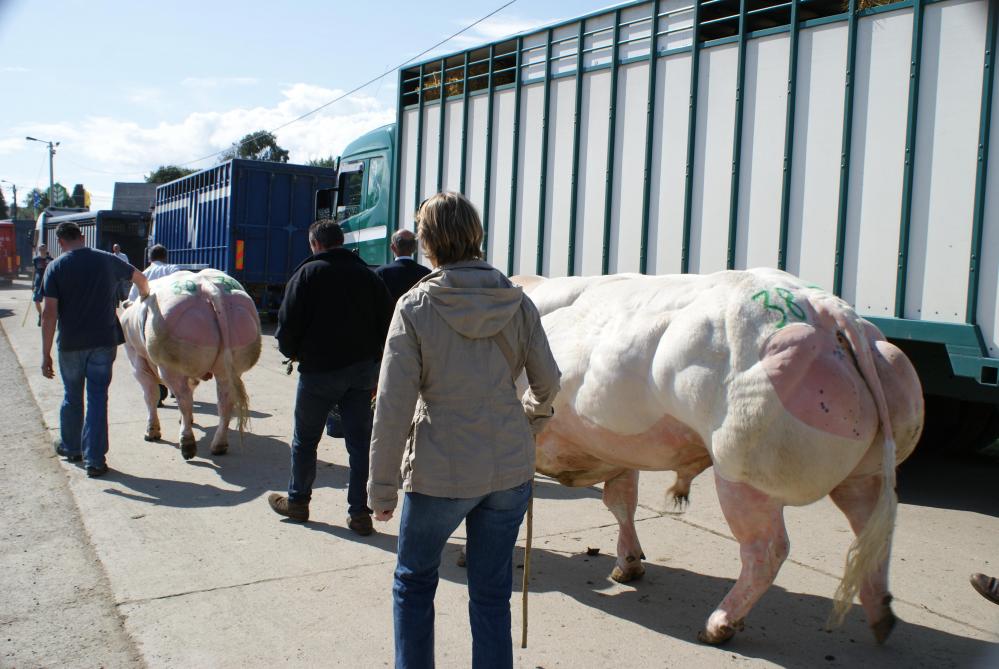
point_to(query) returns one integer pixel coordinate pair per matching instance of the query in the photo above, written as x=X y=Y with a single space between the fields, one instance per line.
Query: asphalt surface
x=167 y=563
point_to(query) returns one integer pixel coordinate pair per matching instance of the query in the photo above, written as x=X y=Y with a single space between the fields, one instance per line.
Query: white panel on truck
x=764 y=117
x=879 y=120
x=407 y=147
x=815 y=163
x=598 y=40
x=564 y=49
x=560 y=135
x=475 y=161
x=452 y=146
x=713 y=158
x=988 y=286
x=532 y=102
x=639 y=31
x=946 y=161
x=533 y=57
x=592 y=178
x=669 y=164
x=499 y=199
x=629 y=168
x=675 y=28
x=431 y=147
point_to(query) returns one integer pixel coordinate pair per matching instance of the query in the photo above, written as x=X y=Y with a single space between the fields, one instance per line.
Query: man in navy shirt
x=402 y=274
x=80 y=289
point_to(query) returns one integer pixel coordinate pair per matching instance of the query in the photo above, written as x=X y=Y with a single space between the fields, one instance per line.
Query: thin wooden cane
x=527 y=568
x=32 y=299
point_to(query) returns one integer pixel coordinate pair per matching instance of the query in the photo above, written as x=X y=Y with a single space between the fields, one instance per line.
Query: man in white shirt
x=158 y=267
x=123 y=287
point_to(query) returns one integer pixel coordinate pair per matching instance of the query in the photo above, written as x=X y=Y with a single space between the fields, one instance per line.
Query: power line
x=364 y=85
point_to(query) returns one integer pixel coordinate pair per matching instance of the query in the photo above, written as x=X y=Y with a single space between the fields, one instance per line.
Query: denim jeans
x=91 y=369
x=350 y=390
x=491 y=523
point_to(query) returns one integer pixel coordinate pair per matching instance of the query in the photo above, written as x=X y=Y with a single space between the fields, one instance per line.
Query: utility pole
x=13 y=206
x=52 y=146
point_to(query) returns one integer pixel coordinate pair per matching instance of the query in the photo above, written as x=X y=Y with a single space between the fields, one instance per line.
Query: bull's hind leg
x=856 y=498
x=185 y=403
x=149 y=381
x=757 y=521
x=220 y=443
x=621 y=497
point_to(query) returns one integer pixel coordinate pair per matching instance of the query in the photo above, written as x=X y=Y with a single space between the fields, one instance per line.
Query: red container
x=9 y=260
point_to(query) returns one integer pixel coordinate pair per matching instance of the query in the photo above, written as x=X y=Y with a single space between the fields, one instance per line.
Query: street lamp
x=13 y=209
x=52 y=146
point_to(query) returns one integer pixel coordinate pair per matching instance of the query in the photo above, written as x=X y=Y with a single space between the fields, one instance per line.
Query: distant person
x=986 y=586
x=79 y=289
x=123 y=286
x=403 y=273
x=333 y=322
x=457 y=342
x=158 y=267
x=39 y=262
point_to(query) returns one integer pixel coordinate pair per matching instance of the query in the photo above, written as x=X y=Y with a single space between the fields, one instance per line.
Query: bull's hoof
x=882 y=628
x=220 y=449
x=188 y=449
x=152 y=435
x=721 y=634
x=632 y=574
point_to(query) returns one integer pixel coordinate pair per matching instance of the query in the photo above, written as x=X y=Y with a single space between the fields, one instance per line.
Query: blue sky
x=127 y=86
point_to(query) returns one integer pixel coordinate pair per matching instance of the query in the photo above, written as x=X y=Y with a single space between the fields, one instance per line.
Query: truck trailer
x=247 y=218
x=103 y=229
x=851 y=147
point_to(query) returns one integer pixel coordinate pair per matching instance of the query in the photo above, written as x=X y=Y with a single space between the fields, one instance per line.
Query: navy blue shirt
x=85 y=281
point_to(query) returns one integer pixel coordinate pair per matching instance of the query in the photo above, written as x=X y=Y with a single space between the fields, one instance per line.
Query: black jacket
x=401 y=275
x=335 y=312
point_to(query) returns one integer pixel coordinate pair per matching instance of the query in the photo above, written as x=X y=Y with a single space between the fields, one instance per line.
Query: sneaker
x=70 y=456
x=96 y=472
x=361 y=524
x=283 y=506
x=987 y=586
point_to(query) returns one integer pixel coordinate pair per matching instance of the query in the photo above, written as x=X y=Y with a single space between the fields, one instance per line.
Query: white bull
x=779 y=385
x=190 y=328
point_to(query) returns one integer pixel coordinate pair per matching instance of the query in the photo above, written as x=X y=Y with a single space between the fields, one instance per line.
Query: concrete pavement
x=203 y=574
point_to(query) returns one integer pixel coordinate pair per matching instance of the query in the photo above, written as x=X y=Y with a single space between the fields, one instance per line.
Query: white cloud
x=14 y=68
x=217 y=82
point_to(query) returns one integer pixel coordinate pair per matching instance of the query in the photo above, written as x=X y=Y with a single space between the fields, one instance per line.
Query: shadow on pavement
x=546 y=488
x=950 y=481
x=6 y=313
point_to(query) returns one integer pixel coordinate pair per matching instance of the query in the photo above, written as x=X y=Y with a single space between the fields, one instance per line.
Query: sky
x=127 y=86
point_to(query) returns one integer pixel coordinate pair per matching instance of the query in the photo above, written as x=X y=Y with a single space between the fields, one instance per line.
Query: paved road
x=201 y=573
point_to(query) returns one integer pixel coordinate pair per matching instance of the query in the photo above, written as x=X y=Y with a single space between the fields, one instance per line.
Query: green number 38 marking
x=789 y=308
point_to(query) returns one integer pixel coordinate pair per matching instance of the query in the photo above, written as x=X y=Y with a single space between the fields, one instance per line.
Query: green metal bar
x=981 y=178
x=845 y=148
x=543 y=180
x=489 y=160
x=576 y=128
x=515 y=167
x=611 y=147
x=464 y=126
x=910 y=159
x=733 y=201
x=688 y=188
x=440 y=128
x=792 y=85
x=650 y=117
x=419 y=142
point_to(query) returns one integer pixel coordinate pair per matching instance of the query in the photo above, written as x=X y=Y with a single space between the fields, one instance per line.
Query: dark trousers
x=349 y=389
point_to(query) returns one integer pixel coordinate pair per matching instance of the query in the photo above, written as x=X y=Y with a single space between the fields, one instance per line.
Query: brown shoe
x=361 y=524
x=282 y=505
x=987 y=587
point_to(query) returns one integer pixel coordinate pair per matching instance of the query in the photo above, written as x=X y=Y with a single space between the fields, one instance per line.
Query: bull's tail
x=234 y=384
x=872 y=546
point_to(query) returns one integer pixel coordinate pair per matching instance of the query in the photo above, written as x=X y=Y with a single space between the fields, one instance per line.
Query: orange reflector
x=239 y=254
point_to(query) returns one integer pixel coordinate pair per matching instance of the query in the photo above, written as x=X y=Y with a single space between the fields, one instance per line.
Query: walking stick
x=32 y=299
x=527 y=568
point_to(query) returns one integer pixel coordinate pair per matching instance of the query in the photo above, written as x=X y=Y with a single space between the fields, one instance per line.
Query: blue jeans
x=90 y=368
x=349 y=389
x=491 y=522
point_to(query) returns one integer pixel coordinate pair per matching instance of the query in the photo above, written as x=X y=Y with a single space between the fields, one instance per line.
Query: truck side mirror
x=325 y=203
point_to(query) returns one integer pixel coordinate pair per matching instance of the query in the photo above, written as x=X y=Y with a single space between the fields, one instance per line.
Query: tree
x=260 y=145
x=3 y=206
x=79 y=196
x=328 y=161
x=61 y=197
x=167 y=173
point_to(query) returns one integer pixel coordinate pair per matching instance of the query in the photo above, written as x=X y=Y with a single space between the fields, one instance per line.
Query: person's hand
x=47 y=370
x=383 y=516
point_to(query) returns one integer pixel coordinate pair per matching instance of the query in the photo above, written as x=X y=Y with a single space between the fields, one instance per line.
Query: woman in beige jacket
x=458 y=340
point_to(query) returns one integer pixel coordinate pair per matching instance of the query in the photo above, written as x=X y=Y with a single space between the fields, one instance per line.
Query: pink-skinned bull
x=190 y=328
x=782 y=387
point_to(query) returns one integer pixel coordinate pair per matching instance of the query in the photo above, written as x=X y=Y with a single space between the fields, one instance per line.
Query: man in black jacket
x=402 y=274
x=333 y=322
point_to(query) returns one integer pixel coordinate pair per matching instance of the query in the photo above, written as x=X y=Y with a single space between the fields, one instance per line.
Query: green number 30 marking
x=790 y=306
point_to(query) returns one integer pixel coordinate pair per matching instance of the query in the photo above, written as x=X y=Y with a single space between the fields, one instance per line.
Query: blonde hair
x=449 y=229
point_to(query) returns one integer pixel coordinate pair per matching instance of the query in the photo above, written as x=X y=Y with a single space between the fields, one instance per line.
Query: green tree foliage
x=328 y=161
x=79 y=195
x=260 y=145
x=167 y=173
x=3 y=206
x=61 y=197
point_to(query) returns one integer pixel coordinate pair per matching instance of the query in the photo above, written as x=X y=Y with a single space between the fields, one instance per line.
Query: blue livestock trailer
x=248 y=218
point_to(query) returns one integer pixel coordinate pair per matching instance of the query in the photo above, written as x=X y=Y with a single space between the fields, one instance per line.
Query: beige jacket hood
x=447 y=408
